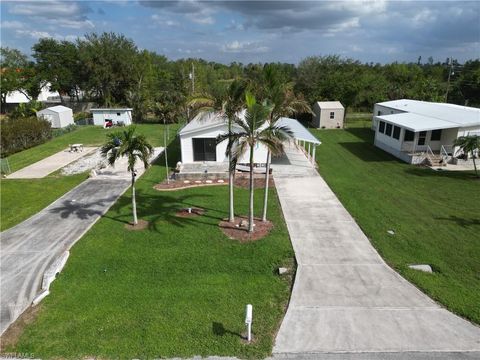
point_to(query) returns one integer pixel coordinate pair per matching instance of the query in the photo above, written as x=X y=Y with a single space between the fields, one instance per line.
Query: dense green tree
x=12 y=66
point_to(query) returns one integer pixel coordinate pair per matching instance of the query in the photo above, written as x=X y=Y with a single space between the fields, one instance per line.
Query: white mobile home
x=198 y=140
x=328 y=114
x=118 y=116
x=59 y=116
x=417 y=131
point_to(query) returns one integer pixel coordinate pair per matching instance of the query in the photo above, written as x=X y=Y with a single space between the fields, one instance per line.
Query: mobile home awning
x=416 y=122
x=299 y=131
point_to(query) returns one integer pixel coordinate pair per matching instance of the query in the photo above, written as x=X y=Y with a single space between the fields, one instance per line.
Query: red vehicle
x=108 y=123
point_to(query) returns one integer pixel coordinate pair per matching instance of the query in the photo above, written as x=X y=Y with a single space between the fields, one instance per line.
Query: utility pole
x=450 y=72
x=193 y=78
x=165 y=149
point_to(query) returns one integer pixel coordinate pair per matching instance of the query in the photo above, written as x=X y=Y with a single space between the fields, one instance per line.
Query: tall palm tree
x=284 y=103
x=254 y=130
x=469 y=144
x=134 y=147
x=228 y=105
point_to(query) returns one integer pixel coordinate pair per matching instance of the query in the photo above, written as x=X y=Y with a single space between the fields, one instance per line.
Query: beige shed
x=328 y=114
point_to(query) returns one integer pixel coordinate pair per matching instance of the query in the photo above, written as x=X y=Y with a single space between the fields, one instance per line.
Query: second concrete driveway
x=29 y=248
x=345 y=298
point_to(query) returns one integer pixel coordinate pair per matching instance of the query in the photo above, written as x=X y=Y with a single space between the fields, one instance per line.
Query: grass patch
x=86 y=135
x=435 y=215
x=177 y=288
x=20 y=199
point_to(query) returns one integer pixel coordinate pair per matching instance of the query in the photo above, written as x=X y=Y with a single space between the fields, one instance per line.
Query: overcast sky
x=259 y=31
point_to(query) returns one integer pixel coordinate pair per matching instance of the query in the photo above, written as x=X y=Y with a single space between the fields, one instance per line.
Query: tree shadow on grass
x=368 y=153
x=463 y=222
x=219 y=330
x=427 y=172
x=365 y=134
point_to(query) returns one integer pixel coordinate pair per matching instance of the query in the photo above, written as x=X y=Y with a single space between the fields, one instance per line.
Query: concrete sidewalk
x=50 y=164
x=29 y=248
x=345 y=298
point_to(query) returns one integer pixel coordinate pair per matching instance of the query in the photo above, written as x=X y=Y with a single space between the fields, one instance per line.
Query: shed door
x=204 y=149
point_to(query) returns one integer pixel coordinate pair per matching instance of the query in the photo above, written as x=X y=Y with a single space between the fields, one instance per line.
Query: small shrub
x=22 y=133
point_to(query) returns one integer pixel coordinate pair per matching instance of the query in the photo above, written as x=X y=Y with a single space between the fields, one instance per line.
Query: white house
x=328 y=114
x=415 y=131
x=198 y=139
x=19 y=97
x=118 y=116
x=59 y=116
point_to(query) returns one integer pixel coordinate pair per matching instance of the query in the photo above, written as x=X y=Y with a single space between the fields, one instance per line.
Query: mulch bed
x=193 y=212
x=142 y=225
x=235 y=232
x=242 y=181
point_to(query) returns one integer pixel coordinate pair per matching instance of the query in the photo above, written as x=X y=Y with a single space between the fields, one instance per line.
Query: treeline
x=110 y=70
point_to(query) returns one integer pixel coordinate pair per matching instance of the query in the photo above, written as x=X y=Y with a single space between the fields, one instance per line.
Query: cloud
x=244 y=47
x=11 y=25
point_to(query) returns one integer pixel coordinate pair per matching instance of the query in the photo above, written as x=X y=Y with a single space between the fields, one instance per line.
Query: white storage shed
x=59 y=116
x=118 y=116
x=328 y=114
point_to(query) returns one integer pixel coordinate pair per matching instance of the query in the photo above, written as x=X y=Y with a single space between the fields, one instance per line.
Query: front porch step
x=436 y=161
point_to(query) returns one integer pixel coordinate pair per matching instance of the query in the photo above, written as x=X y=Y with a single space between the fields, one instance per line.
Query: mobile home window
x=379 y=113
x=381 y=127
x=409 y=135
x=422 y=135
x=332 y=115
x=118 y=114
x=389 y=130
x=396 y=132
x=436 y=135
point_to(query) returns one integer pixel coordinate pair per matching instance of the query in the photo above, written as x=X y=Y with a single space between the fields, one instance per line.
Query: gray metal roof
x=461 y=116
x=330 y=104
x=299 y=131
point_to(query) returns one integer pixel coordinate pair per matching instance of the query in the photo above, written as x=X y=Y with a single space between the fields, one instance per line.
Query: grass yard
x=435 y=215
x=86 y=135
x=178 y=288
x=20 y=199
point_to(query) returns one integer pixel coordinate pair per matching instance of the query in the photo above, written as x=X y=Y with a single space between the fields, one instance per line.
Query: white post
x=309 y=155
x=313 y=155
x=248 y=321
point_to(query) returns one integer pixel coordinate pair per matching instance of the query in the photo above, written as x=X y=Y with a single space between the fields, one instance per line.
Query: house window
x=409 y=135
x=396 y=132
x=332 y=115
x=421 y=137
x=118 y=114
x=436 y=135
x=388 y=130
x=379 y=113
x=381 y=127
x=204 y=149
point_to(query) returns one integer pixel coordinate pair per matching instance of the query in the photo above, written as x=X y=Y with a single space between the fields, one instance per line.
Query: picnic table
x=76 y=147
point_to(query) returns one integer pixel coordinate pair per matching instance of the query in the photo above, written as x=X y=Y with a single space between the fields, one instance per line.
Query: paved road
x=50 y=164
x=29 y=248
x=345 y=298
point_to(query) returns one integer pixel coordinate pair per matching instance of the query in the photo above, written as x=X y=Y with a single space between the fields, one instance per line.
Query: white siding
x=379 y=110
x=186 y=143
x=99 y=116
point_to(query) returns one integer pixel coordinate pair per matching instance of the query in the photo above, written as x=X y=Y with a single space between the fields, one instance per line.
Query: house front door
x=422 y=135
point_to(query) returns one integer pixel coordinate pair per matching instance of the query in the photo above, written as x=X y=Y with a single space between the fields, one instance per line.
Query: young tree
x=253 y=130
x=228 y=104
x=469 y=145
x=135 y=147
x=12 y=67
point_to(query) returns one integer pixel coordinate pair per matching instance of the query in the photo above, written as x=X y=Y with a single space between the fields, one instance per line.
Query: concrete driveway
x=50 y=164
x=345 y=298
x=29 y=248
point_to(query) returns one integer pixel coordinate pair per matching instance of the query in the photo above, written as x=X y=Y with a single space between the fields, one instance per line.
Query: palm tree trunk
x=250 y=212
x=265 y=197
x=134 y=203
x=475 y=166
x=231 y=216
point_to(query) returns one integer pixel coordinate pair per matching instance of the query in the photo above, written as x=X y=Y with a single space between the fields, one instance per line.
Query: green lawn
x=435 y=215
x=86 y=135
x=20 y=199
x=178 y=288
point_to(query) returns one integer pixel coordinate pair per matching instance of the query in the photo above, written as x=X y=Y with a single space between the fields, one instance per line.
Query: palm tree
x=228 y=105
x=134 y=147
x=469 y=144
x=254 y=130
x=284 y=103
